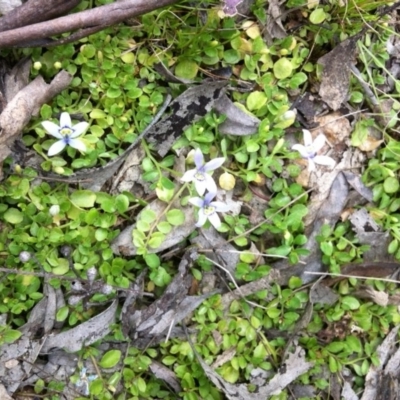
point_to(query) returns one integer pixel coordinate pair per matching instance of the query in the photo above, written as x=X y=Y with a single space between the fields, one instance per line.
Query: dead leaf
x=238 y=122
x=186 y=109
x=378 y=297
x=354 y=180
x=384 y=351
x=334 y=126
x=152 y=324
x=336 y=73
x=160 y=371
x=3 y=393
x=84 y=334
x=274 y=27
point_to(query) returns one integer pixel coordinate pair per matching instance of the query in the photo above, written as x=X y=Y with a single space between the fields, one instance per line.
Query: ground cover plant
x=201 y=202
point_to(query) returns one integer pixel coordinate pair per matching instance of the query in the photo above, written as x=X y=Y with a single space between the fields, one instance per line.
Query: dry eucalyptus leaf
x=384 y=352
x=274 y=28
x=238 y=122
x=334 y=126
x=378 y=297
x=160 y=371
x=84 y=334
x=3 y=393
x=186 y=109
x=336 y=73
x=153 y=323
x=354 y=180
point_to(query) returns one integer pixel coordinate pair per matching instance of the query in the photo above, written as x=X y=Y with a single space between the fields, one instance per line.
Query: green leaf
x=83 y=198
x=318 y=16
x=175 y=217
x=295 y=282
x=45 y=112
x=113 y=93
x=391 y=185
x=169 y=360
x=101 y=234
x=13 y=216
x=393 y=246
x=148 y=216
x=122 y=203
x=156 y=240
x=164 y=227
x=128 y=58
x=11 y=335
x=350 y=303
x=152 y=260
x=97 y=114
x=335 y=347
x=110 y=359
x=283 y=68
x=333 y=366
x=62 y=314
x=62 y=267
x=256 y=100
x=186 y=69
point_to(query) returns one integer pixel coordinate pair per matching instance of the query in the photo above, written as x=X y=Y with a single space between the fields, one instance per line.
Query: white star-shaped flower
x=208 y=209
x=66 y=133
x=202 y=180
x=310 y=149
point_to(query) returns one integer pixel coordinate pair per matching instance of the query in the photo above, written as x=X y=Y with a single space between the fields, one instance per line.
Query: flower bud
x=91 y=274
x=54 y=210
x=190 y=157
x=24 y=256
x=57 y=65
x=37 y=65
x=106 y=289
x=74 y=299
x=227 y=181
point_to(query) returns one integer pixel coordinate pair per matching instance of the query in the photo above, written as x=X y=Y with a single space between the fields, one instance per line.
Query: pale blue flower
x=199 y=175
x=208 y=209
x=311 y=148
x=66 y=133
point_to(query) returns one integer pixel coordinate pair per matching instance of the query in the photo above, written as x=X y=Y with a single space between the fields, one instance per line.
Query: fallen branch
x=99 y=17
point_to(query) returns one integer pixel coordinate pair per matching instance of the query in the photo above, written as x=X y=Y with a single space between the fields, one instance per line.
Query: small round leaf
x=110 y=359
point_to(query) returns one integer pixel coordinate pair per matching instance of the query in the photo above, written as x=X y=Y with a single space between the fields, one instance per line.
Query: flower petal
x=210 y=184
x=79 y=129
x=200 y=186
x=65 y=120
x=214 y=164
x=301 y=149
x=215 y=221
x=56 y=148
x=52 y=129
x=198 y=158
x=219 y=206
x=202 y=218
x=208 y=197
x=324 y=160
x=188 y=176
x=77 y=144
x=311 y=165
x=319 y=142
x=196 y=201
x=307 y=137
